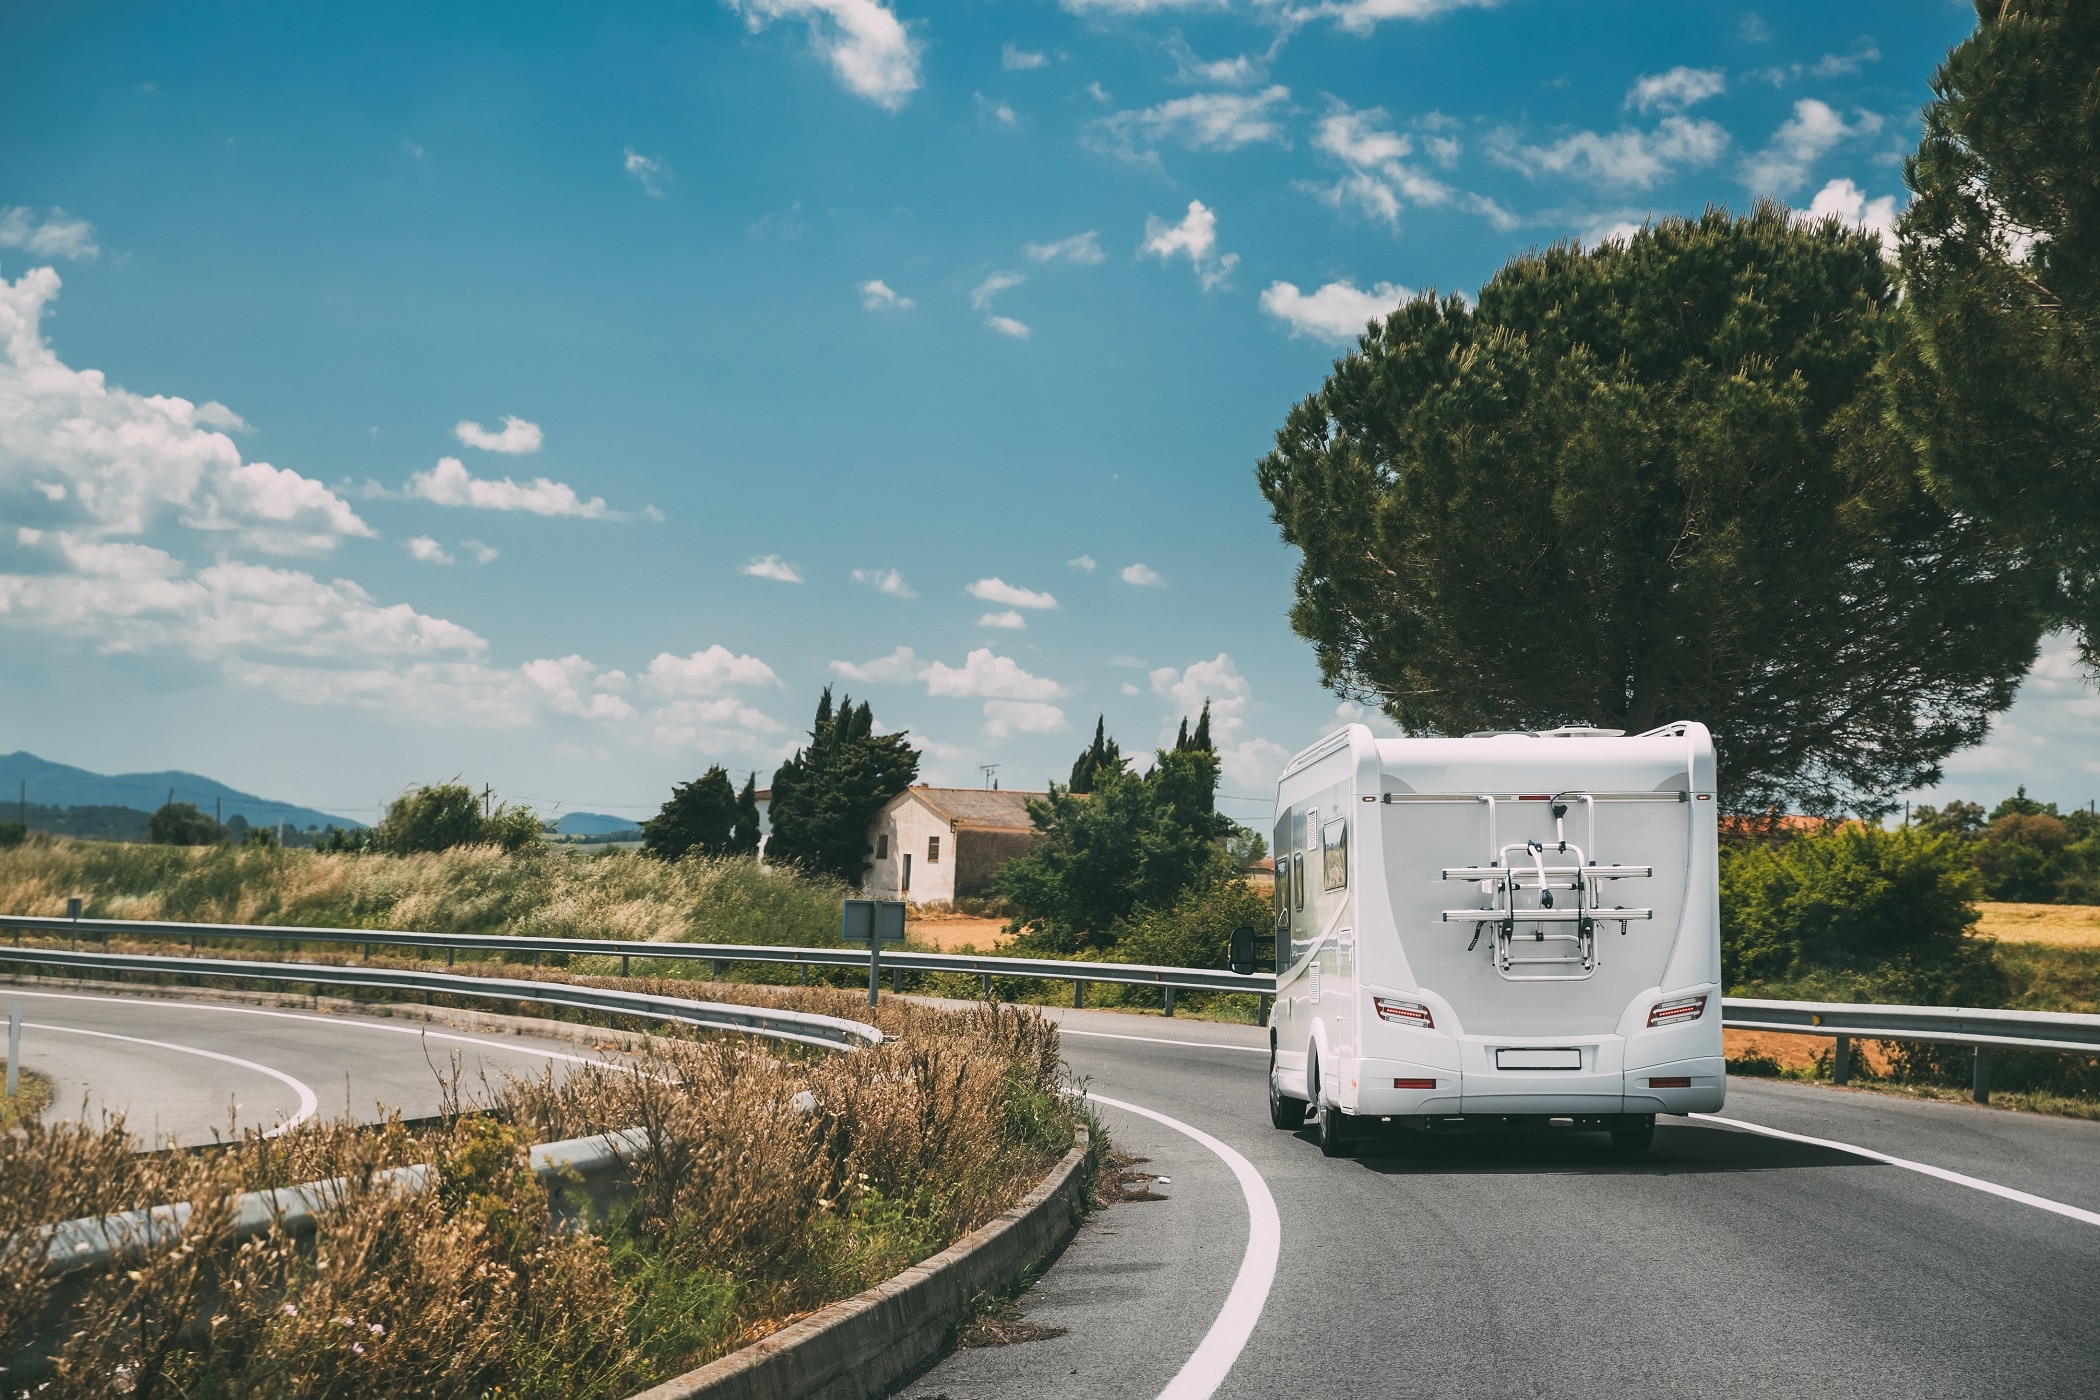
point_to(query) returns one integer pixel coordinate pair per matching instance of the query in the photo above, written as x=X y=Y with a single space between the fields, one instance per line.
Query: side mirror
x=1243 y=950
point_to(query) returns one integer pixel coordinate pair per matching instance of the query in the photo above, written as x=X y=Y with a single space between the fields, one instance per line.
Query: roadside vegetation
x=776 y=1181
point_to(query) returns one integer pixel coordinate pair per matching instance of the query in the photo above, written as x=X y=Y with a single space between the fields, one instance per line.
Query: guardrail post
x=714 y=969
x=73 y=913
x=1078 y=992
x=623 y=964
x=1841 y=1060
x=1980 y=1085
x=988 y=986
x=874 y=965
x=1262 y=1018
x=805 y=972
x=897 y=981
x=14 y=1048
x=450 y=954
x=1170 y=1001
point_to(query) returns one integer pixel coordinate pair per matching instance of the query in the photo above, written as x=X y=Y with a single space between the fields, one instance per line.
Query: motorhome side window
x=1297 y=879
x=1334 y=854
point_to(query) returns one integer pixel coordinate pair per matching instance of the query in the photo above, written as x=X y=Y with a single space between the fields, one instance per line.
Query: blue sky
x=561 y=395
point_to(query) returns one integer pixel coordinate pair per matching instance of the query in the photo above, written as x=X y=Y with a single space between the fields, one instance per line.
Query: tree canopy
x=1650 y=481
x=825 y=796
x=181 y=824
x=1101 y=757
x=700 y=817
x=1139 y=843
x=1997 y=374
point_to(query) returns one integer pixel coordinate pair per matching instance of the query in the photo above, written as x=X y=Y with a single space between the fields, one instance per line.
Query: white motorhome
x=1498 y=930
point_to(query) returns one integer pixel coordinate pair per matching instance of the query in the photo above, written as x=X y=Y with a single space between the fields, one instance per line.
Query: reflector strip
x=1414 y=1083
x=1673 y=1081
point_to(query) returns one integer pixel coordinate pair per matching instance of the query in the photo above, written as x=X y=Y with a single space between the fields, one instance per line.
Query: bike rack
x=1505 y=881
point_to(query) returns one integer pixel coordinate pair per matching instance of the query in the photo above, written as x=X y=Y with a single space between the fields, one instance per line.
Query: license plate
x=1538 y=1059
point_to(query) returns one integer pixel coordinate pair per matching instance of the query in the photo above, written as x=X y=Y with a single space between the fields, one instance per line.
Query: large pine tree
x=825 y=796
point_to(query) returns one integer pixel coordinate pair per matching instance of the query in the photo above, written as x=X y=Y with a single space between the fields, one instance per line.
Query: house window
x=1334 y=853
x=882 y=847
x=906 y=886
x=933 y=850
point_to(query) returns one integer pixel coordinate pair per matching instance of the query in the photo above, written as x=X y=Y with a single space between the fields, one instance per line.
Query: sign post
x=14 y=1048
x=873 y=922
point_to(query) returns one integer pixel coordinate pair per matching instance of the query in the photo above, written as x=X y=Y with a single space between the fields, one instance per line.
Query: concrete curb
x=864 y=1347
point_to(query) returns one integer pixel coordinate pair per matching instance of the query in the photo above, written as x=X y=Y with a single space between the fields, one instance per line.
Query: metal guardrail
x=1844 y=1022
x=809 y=1028
x=1050 y=969
x=73 y=1245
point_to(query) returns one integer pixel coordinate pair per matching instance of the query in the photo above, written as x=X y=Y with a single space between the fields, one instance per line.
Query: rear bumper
x=1563 y=1093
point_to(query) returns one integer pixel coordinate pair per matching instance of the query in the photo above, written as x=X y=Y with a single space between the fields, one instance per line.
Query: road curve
x=1721 y=1262
x=180 y=1071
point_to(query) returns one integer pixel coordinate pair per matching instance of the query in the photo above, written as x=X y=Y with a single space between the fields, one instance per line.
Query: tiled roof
x=1001 y=807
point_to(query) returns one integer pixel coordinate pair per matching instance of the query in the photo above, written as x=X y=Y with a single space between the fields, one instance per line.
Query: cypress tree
x=698 y=818
x=827 y=793
x=744 y=834
x=1099 y=762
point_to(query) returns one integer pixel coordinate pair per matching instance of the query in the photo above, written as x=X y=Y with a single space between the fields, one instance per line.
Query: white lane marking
x=361 y=1022
x=1989 y=1188
x=1205 y=1371
x=1161 y=1040
x=309 y=1105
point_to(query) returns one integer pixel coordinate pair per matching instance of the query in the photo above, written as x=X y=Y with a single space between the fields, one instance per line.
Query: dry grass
x=957 y=935
x=473 y=889
x=754 y=1205
x=2061 y=925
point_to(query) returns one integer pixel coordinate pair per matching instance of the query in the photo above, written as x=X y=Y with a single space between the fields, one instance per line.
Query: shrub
x=181 y=824
x=1858 y=912
x=12 y=834
x=1197 y=932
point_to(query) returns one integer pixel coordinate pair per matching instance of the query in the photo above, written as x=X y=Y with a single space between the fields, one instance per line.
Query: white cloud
x=1847 y=202
x=1008 y=619
x=54 y=237
x=483 y=554
x=1142 y=575
x=1245 y=760
x=1196 y=238
x=650 y=171
x=426 y=550
x=772 y=566
x=1007 y=325
x=868 y=48
x=517 y=438
x=81 y=455
x=573 y=686
x=1004 y=717
x=985 y=675
x=981 y=295
x=994 y=111
x=887 y=581
x=1084 y=563
x=1626 y=157
x=1830 y=65
x=998 y=590
x=1082 y=248
x=1812 y=132
x=714 y=671
x=1379 y=179
x=1675 y=90
x=1203 y=121
x=450 y=484
x=1362 y=16
x=897 y=668
x=1336 y=312
x=876 y=295
x=1015 y=59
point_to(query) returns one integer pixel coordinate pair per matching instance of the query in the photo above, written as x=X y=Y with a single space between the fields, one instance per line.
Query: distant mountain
x=594 y=824
x=60 y=785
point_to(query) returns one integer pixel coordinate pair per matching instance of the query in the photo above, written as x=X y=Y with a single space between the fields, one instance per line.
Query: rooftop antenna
x=990 y=771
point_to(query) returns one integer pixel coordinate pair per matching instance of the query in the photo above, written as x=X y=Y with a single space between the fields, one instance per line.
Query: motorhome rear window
x=1334 y=854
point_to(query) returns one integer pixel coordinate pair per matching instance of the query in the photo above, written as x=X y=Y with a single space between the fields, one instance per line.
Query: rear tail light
x=1407 y=1013
x=1414 y=1083
x=1671 y=1081
x=1679 y=1009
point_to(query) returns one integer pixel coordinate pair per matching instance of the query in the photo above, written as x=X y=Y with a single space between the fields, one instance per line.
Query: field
x=2060 y=925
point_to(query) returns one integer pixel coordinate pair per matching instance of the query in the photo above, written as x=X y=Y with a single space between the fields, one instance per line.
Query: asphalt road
x=1718 y=1263
x=182 y=1072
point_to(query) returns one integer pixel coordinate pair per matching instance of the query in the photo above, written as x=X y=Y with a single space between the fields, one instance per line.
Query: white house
x=937 y=844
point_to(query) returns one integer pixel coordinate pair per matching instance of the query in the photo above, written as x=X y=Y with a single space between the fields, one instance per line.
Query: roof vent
x=1581 y=731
